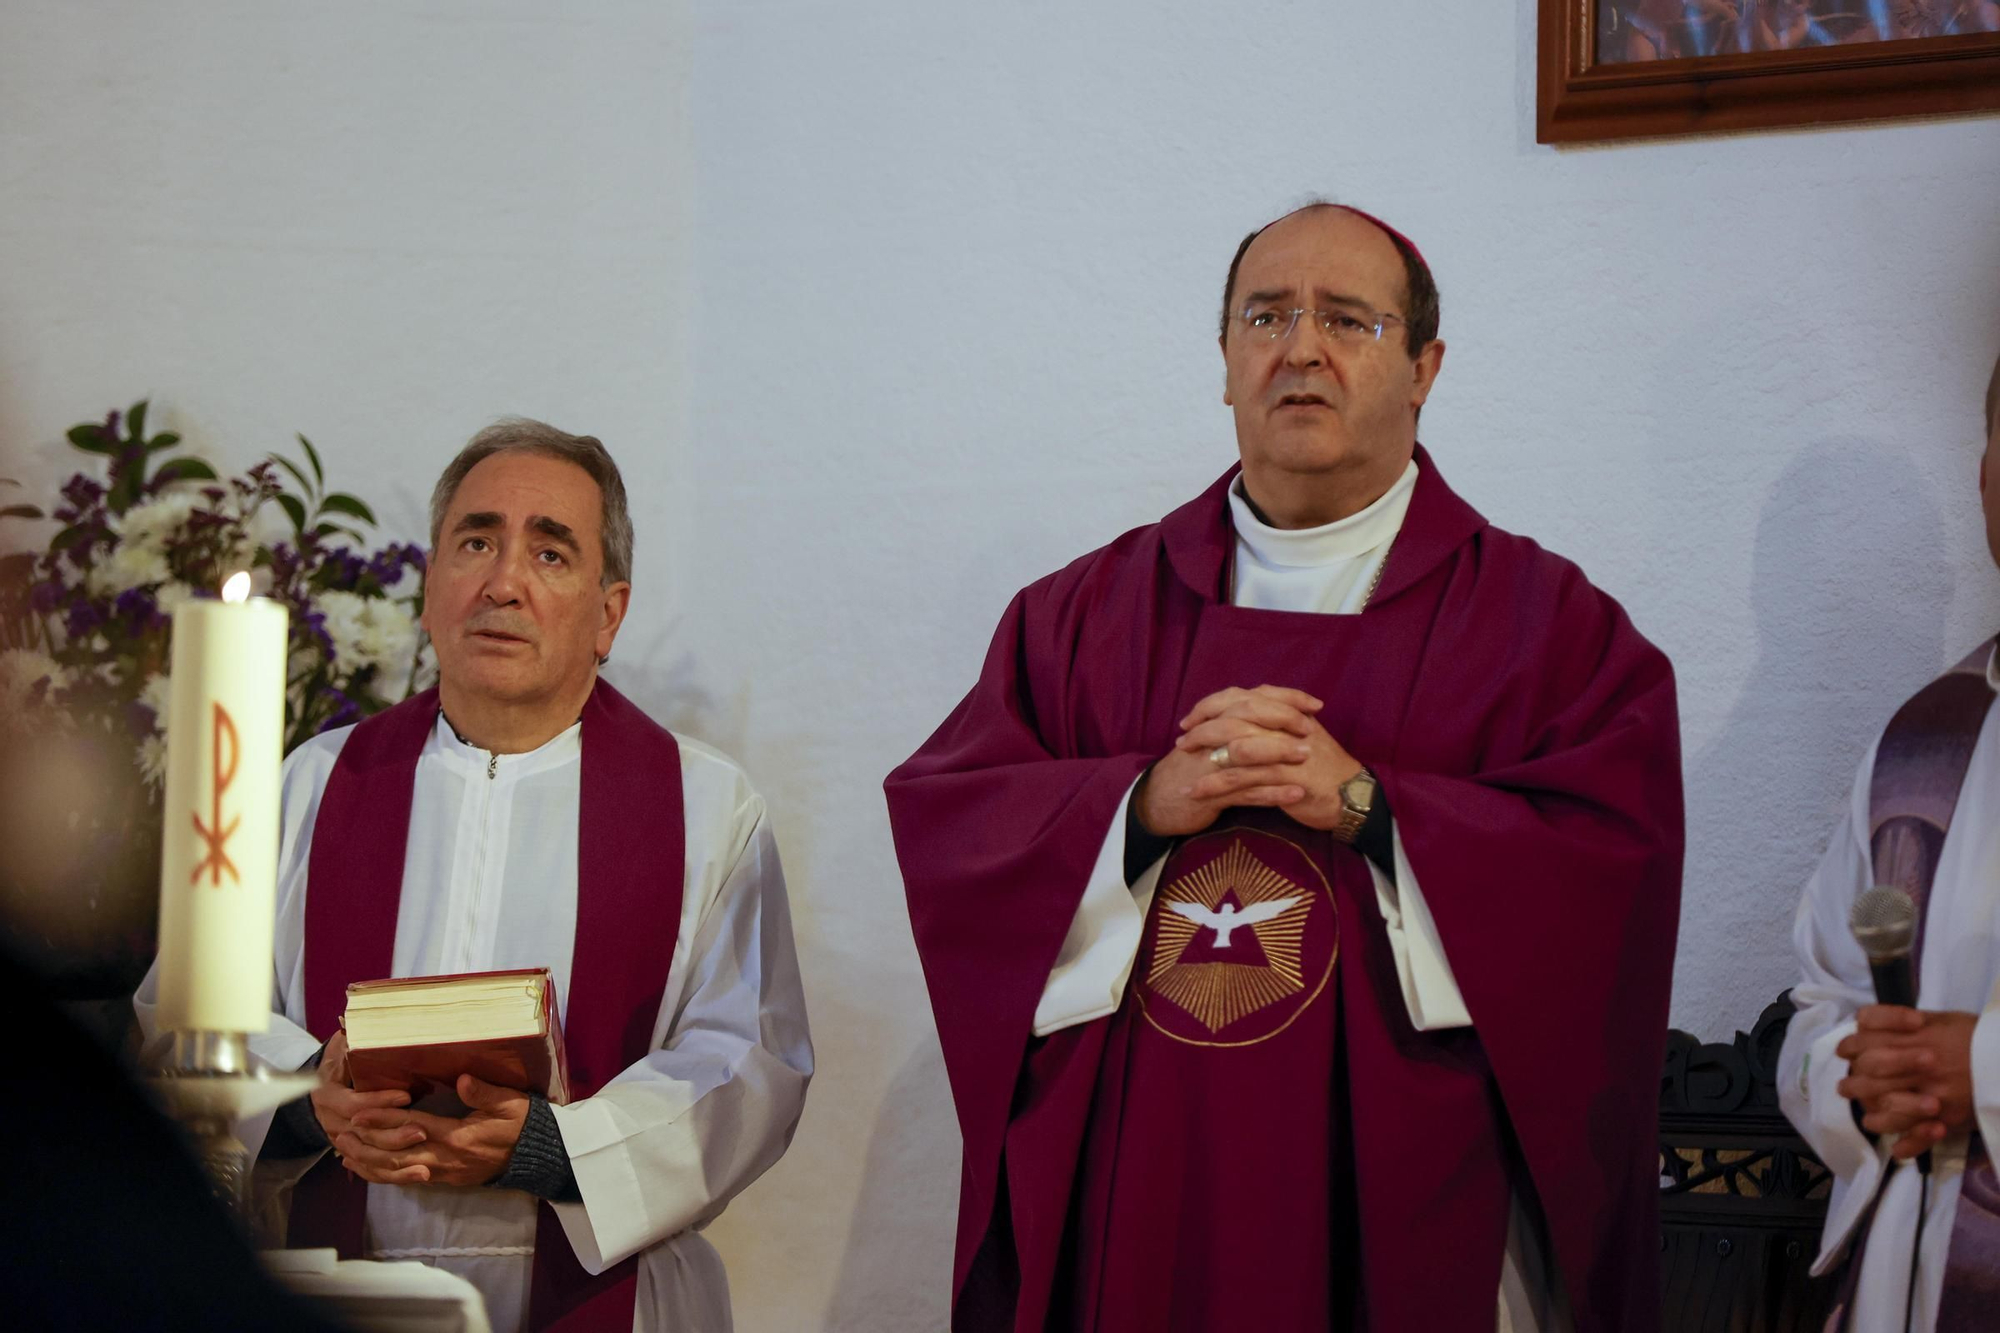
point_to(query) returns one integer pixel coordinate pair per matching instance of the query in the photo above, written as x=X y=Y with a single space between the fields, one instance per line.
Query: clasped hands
x=380 y=1139
x=1278 y=755
x=1911 y=1071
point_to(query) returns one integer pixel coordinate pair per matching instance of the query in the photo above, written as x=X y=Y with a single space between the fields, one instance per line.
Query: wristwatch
x=1357 y=798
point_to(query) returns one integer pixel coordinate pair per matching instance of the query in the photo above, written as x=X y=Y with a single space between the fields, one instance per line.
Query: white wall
x=891 y=309
x=378 y=224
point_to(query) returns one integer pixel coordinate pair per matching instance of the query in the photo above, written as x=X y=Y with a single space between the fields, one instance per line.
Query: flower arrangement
x=84 y=629
x=84 y=624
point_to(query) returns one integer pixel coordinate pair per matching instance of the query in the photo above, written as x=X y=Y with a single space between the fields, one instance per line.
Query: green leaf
x=342 y=503
x=20 y=511
x=90 y=438
x=312 y=456
x=293 y=468
x=184 y=469
x=297 y=509
x=124 y=492
x=67 y=538
x=135 y=421
x=166 y=439
x=332 y=529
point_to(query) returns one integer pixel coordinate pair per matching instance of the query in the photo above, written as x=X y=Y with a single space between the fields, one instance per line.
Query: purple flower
x=91 y=533
x=46 y=596
x=314 y=623
x=82 y=491
x=389 y=563
x=140 y=720
x=139 y=607
x=346 y=714
x=83 y=617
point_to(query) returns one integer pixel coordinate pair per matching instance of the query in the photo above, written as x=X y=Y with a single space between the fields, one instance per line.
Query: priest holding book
x=524 y=815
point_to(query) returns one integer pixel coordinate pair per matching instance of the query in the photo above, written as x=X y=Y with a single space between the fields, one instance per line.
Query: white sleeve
x=1986 y=1068
x=1095 y=962
x=1430 y=991
x=1097 y=955
x=1834 y=984
x=667 y=1143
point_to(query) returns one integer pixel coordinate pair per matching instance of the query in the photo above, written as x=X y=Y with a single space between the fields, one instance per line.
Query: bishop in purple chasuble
x=629 y=873
x=1266 y=1141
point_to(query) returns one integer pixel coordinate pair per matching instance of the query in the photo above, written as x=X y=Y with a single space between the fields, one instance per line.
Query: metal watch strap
x=1352 y=817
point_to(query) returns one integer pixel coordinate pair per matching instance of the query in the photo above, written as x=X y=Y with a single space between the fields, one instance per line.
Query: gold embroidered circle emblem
x=1241 y=937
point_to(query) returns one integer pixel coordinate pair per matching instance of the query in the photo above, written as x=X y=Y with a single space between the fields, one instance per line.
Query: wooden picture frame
x=1581 y=98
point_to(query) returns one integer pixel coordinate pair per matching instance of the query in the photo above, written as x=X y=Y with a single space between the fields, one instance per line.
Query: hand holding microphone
x=1910 y=1069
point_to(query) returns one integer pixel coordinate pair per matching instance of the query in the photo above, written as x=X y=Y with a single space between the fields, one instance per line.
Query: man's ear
x=1425 y=372
x=617 y=600
x=1222 y=341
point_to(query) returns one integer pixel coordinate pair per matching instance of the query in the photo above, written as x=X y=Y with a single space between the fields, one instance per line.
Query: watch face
x=1358 y=791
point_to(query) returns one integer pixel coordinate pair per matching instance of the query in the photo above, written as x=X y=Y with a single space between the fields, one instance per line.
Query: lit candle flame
x=237 y=588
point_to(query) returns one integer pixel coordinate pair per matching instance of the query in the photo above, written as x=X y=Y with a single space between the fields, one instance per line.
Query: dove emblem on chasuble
x=1241 y=938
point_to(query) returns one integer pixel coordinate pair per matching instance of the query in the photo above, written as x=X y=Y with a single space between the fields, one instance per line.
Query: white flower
x=21 y=670
x=130 y=566
x=171 y=595
x=399 y=635
x=153 y=524
x=151 y=757
x=346 y=616
x=367 y=632
x=144 y=534
x=158 y=694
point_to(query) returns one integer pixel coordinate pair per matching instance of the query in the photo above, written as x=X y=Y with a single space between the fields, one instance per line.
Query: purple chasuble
x=1258 y=1137
x=1913 y=790
x=631 y=843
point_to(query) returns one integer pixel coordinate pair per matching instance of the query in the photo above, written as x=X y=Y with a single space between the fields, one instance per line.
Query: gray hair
x=513 y=435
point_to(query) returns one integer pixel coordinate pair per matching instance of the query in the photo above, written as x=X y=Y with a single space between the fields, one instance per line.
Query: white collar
x=559 y=749
x=1330 y=543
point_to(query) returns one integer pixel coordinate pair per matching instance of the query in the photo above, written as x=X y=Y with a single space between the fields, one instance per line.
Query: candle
x=219 y=858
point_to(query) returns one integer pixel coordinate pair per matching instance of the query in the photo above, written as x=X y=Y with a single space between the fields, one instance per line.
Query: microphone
x=1884 y=922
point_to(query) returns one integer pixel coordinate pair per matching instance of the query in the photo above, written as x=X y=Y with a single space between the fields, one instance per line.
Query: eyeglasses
x=1350 y=325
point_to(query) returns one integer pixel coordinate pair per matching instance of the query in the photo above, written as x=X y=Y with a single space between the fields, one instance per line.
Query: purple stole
x=631 y=844
x=1920 y=767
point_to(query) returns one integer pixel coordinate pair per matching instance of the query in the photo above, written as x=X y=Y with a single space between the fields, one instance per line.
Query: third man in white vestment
x=1872 y=1086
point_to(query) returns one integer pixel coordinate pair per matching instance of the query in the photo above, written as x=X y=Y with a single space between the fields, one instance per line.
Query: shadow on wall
x=1851 y=586
x=911 y=1174
x=664 y=682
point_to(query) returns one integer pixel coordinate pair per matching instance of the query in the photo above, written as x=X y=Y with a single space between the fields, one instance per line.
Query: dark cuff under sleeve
x=295 y=1129
x=1142 y=845
x=540 y=1164
x=1377 y=838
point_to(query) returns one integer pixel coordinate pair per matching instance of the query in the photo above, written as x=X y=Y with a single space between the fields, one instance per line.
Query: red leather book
x=421 y=1033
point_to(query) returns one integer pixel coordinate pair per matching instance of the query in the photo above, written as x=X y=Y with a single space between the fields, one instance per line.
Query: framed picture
x=1625 y=69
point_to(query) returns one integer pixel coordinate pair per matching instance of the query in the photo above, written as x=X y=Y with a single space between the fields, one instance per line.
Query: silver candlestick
x=209 y=1084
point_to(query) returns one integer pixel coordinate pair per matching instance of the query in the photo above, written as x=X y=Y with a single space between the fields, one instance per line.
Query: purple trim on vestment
x=1913 y=792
